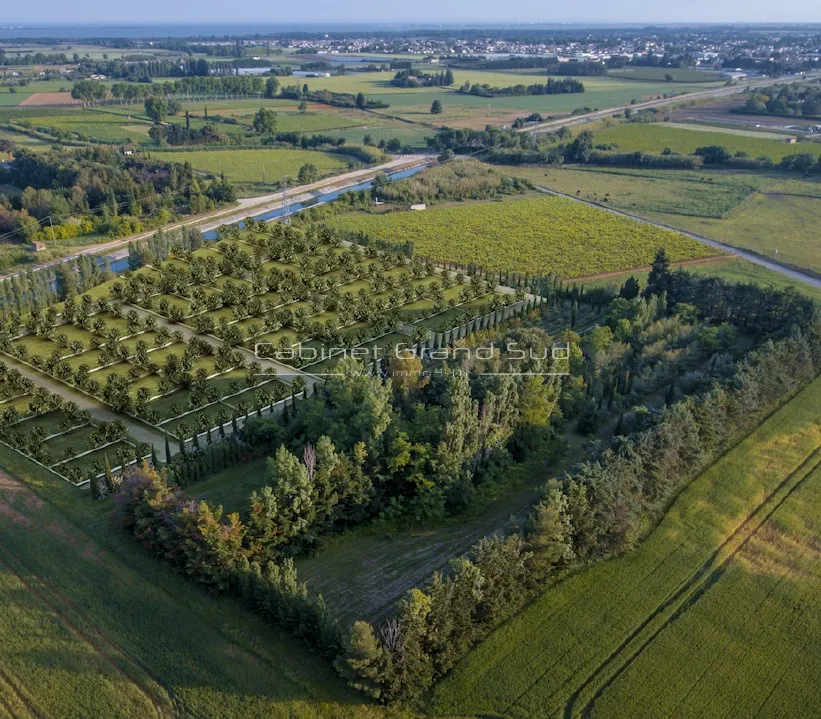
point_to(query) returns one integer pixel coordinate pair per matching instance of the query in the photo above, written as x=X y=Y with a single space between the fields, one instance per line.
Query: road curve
x=784 y=270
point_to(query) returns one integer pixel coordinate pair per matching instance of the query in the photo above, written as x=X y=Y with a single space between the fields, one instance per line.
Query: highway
x=715 y=93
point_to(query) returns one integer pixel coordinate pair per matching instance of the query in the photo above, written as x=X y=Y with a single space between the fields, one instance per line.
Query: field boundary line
x=794 y=273
x=80 y=634
x=700 y=581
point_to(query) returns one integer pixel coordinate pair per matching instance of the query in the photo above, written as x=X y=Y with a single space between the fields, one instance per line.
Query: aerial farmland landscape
x=435 y=361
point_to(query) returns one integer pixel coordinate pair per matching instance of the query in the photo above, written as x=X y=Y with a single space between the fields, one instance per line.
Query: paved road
x=250 y=206
x=716 y=93
x=750 y=256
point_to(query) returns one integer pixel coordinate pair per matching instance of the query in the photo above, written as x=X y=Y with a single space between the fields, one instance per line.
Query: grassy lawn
x=528 y=235
x=232 y=487
x=257 y=165
x=768 y=221
x=77 y=440
x=92 y=622
x=88 y=460
x=50 y=422
x=569 y=644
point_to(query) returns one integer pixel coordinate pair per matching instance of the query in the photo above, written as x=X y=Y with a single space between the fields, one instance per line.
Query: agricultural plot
x=186 y=345
x=546 y=235
x=63 y=567
x=690 y=601
x=78 y=124
x=61 y=436
x=762 y=212
x=657 y=136
x=699 y=194
x=256 y=166
x=677 y=74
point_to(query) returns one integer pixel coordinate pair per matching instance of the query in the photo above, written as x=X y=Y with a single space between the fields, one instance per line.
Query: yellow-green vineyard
x=539 y=235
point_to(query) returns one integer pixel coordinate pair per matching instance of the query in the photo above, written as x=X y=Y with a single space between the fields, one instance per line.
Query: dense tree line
x=553 y=86
x=793 y=99
x=507 y=147
x=115 y=193
x=600 y=508
x=416 y=78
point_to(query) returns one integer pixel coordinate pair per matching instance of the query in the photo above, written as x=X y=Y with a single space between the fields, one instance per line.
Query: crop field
x=111 y=632
x=256 y=166
x=679 y=74
x=713 y=615
x=701 y=194
x=81 y=124
x=545 y=235
x=772 y=223
x=655 y=137
x=752 y=210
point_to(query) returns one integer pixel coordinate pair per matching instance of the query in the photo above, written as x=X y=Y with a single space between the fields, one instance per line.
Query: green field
x=766 y=222
x=82 y=124
x=701 y=194
x=256 y=166
x=656 y=136
x=715 y=611
x=752 y=210
x=542 y=235
x=652 y=74
x=94 y=627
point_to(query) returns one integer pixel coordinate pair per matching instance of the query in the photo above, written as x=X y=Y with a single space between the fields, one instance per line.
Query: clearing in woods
x=93 y=627
x=716 y=614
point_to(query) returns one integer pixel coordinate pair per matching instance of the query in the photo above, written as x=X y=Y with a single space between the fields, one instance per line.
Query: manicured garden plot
x=51 y=422
x=89 y=357
x=411 y=311
x=151 y=382
x=20 y=404
x=275 y=337
x=217 y=315
x=77 y=440
x=222 y=280
x=148 y=337
x=74 y=333
x=173 y=301
x=159 y=356
x=225 y=383
x=196 y=421
x=88 y=461
x=281 y=266
x=39 y=345
x=206 y=363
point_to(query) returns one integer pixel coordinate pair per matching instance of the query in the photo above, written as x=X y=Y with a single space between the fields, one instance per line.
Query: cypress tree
x=167 y=450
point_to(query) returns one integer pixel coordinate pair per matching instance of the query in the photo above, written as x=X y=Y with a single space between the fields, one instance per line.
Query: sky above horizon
x=159 y=12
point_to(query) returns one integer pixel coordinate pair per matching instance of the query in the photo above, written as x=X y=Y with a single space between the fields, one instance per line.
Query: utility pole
x=287 y=214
